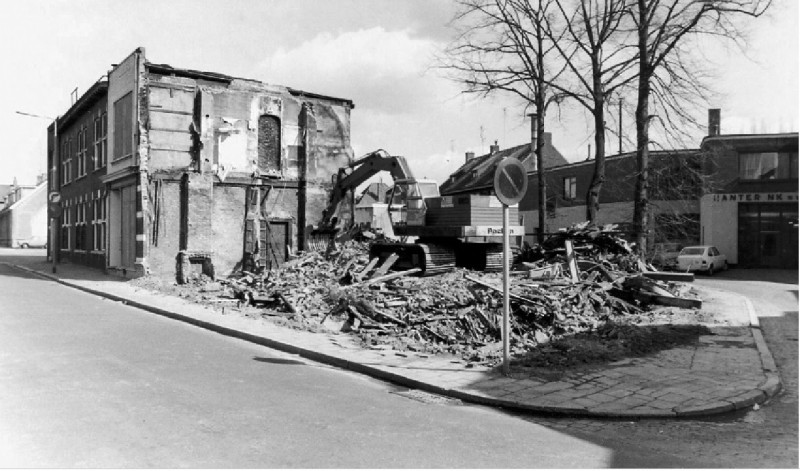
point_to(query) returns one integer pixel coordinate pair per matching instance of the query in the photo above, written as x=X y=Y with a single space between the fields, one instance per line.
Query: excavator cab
x=407 y=201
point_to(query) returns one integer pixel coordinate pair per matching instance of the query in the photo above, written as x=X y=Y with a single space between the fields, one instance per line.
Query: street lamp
x=53 y=220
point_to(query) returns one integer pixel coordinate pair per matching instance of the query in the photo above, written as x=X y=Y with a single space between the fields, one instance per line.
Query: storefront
x=752 y=229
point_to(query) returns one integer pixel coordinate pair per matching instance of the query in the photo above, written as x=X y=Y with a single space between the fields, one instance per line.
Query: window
x=99 y=223
x=123 y=127
x=570 y=188
x=66 y=161
x=81 y=242
x=80 y=153
x=100 y=144
x=768 y=166
x=269 y=143
x=65 y=226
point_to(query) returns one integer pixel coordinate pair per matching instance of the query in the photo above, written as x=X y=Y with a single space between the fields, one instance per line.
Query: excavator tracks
x=430 y=258
x=438 y=258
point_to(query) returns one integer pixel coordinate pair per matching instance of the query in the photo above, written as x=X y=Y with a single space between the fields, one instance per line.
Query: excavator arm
x=356 y=173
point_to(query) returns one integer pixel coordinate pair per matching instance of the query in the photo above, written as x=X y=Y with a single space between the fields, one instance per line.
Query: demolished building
x=202 y=172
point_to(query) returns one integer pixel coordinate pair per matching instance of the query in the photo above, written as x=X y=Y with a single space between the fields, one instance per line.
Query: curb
x=763 y=392
x=773 y=384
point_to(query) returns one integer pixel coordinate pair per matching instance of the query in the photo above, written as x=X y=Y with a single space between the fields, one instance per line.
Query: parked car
x=35 y=241
x=702 y=258
x=665 y=255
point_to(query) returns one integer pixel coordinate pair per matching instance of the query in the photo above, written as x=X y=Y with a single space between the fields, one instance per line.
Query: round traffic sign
x=54 y=197
x=510 y=181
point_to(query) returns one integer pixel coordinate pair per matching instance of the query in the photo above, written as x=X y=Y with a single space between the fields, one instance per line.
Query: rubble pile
x=459 y=312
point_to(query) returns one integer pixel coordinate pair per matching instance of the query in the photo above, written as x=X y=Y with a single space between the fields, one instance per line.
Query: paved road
x=87 y=382
x=763 y=438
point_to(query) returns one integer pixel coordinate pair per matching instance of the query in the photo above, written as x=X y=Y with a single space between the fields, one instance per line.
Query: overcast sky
x=378 y=53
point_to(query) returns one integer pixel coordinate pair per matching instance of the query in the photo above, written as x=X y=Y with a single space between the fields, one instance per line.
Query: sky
x=378 y=53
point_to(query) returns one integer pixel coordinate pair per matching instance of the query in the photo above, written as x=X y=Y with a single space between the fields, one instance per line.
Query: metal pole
x=53 y=219
x=506 y=320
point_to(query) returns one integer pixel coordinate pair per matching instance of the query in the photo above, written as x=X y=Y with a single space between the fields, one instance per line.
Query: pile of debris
x=565 y=292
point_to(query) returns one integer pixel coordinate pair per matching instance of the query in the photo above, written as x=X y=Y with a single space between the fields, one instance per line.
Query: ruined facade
x=211 y=173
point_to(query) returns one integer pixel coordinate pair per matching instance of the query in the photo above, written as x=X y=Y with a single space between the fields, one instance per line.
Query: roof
x=478 y=173
x=745 y=140
x=89 y=98
x=36 y=190
x=626 y=155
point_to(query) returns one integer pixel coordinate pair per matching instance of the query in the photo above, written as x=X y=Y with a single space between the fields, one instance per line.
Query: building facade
x=23 y=216
x=751 y=213
x=180 y=171
x=77 y=167
x=675 y=188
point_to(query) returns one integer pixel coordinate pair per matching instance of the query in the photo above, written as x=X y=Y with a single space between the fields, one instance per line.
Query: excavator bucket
x=321 y=240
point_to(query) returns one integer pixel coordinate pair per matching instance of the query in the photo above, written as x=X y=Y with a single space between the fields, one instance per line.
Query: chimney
x=714 y=122
x=469 y=156
x=534 y=137
x=494 y=148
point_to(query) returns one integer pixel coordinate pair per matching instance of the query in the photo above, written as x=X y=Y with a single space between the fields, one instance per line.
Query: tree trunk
x=540 y=111
x=599 y=176
x=641 y=210
x=540 y=174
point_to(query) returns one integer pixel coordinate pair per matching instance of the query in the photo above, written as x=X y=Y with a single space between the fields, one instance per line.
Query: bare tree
x=502 y=47
x=601 y=61
x=668 y=75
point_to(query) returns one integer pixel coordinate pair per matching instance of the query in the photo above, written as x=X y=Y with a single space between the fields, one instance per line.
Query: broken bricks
x=459 y=311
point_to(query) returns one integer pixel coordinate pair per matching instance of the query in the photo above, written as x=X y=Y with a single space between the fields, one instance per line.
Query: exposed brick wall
x=165 y=247
x=227 y=231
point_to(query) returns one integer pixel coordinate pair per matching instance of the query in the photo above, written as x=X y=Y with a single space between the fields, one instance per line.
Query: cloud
x=377 y=69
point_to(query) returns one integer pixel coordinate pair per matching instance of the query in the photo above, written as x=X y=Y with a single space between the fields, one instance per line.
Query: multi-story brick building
x=166 y=171
x=675 y=187
x=76 y=172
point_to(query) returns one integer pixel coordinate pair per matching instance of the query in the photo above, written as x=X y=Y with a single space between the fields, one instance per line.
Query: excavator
x=436 y=232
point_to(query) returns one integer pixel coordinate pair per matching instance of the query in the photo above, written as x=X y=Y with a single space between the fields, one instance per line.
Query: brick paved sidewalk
x=730 y=368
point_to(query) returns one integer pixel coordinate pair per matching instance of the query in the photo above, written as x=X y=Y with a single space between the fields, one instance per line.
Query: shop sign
x=755 y=197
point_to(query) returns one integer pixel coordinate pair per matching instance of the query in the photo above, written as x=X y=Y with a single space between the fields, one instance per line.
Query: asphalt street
x=88 y=382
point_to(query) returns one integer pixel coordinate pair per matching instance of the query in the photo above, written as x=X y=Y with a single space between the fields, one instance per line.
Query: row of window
x=768 y=166
x=80 y=217
x=74 y=150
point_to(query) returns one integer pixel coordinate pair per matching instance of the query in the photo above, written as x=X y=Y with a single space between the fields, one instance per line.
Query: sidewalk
x=727 y=370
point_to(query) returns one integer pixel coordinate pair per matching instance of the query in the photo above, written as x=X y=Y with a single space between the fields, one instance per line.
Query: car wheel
x=25 y=245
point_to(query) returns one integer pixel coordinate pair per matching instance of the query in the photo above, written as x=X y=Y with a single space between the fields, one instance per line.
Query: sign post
x=54 y=206
x=510 y=184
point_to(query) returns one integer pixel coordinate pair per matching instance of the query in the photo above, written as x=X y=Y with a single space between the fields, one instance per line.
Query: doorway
x=768 y=235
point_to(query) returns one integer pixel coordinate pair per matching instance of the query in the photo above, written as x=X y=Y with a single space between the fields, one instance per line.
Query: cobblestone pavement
x=728 y=369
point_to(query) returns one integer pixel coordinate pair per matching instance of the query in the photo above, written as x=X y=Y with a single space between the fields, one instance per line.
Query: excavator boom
x=356 y=173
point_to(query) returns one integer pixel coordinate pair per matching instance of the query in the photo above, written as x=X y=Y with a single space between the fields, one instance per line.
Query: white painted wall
x=719 y=223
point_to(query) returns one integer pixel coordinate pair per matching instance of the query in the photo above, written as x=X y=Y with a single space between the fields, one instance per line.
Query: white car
x=704 y=258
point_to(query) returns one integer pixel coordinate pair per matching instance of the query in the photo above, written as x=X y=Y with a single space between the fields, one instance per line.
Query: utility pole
x=53 y=198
